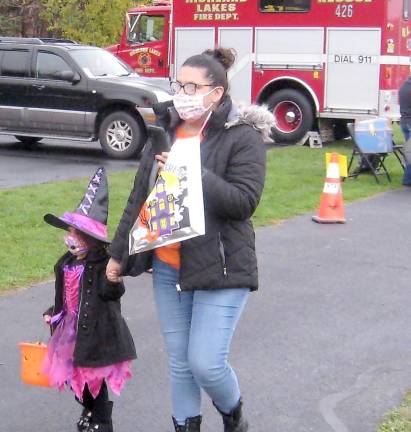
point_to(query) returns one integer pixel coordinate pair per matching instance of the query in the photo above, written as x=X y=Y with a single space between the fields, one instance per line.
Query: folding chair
x=398 y=150
x=371 y=159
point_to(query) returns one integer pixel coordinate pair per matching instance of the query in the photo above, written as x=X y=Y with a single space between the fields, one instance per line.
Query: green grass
x=295 y=178
x=398 y=420
x=30 y=247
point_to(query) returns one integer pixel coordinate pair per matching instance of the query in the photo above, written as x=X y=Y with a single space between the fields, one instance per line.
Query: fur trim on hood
x=256 y=116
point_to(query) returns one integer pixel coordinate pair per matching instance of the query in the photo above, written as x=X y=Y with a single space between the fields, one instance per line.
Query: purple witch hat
x=91 y=214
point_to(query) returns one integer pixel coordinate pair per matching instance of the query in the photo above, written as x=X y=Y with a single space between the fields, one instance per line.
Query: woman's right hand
x=113 y=271
x=161 y=160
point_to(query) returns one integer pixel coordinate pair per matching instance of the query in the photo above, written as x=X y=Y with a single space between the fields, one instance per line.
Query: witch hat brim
x=81 y=223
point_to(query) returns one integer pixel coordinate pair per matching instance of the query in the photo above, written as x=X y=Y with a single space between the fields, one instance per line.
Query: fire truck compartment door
x=191 y=41
x=289 y=47
x=241 y=39
x=352 y=69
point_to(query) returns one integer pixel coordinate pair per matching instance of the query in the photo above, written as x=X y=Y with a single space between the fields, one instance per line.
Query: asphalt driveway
x=323 y=346
x=52 y=160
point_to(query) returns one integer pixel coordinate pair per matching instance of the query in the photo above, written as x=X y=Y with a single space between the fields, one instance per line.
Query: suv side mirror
x=76 y=78
x=68 y=75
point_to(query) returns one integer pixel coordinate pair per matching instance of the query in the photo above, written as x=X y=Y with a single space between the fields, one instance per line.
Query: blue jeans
x=406 y=130
x=198 y=327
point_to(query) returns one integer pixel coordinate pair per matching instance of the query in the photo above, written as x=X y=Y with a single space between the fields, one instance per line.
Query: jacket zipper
x=222 y=254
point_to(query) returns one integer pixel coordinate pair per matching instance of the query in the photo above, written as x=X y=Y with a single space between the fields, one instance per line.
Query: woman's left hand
x=161 y=160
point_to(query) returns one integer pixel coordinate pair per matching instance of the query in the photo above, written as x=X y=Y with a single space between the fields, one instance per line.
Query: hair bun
x=225 y=56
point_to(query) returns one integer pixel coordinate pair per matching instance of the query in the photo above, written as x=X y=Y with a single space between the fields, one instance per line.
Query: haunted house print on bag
x=166 y=210
x=161 y=210
x=173 y=211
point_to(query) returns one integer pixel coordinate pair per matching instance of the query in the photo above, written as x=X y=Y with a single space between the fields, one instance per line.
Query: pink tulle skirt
x=58 y=364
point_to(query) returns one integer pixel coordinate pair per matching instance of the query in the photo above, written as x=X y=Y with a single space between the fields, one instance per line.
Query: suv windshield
x=98 y=62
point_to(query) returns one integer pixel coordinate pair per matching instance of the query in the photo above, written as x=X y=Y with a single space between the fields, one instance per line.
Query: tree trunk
x=22 y=18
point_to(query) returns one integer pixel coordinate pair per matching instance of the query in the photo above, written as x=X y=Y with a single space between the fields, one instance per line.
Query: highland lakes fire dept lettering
x=144 y=59
x=216 y=10
x=145 y=51
x=225 y=7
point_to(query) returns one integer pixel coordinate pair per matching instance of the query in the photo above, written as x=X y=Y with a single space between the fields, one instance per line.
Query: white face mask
x=191 y=107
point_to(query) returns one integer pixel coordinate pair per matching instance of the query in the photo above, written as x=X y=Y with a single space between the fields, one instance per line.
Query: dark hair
x=92 y=241
x=216 y=63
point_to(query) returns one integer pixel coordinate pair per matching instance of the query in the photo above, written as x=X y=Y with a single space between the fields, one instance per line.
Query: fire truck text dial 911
x=349 y=58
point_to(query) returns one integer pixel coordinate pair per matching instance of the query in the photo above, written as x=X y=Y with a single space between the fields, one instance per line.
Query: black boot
x=87 y=404
x=234 y=421
x=192 y=424
x=84 y=421
x=101 y=418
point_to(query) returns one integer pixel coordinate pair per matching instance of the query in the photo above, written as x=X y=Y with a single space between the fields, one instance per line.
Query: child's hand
x=47 y=319
x=113 y=271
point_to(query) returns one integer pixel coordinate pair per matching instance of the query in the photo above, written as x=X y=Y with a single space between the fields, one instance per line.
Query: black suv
x=51 y=88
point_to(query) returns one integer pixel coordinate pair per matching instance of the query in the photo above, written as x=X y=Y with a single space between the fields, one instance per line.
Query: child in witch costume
x=91 y=346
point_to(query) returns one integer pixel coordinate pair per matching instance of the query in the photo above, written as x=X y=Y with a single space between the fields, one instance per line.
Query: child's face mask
x=76 y=244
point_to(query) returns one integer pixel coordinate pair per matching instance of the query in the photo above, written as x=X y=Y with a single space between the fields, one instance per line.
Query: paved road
x=52 y=160
x=324 y=345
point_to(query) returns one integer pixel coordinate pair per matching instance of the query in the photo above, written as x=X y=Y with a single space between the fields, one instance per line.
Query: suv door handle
x=39 y=86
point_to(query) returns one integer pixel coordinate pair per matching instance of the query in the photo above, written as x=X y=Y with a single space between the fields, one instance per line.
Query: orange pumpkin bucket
x=32 y=356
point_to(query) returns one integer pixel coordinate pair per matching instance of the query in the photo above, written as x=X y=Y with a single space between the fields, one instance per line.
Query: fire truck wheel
x=120 y=135
x=293 y=115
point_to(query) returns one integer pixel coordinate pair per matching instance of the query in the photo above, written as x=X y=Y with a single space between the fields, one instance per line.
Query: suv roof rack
x=35 y=41
x=57 y=40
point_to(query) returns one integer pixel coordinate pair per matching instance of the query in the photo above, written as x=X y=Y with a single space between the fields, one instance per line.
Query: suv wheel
x=120 y=135
x=28 y=140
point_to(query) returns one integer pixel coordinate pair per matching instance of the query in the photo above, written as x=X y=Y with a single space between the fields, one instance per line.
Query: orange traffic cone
x=331 y=205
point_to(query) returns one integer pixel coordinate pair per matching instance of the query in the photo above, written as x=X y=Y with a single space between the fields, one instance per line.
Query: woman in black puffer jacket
x=202 y=284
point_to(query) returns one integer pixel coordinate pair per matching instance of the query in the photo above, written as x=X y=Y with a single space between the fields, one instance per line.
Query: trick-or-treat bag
x=174 y=210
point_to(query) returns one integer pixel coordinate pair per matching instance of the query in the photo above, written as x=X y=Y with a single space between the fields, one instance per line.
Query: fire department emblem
x=144 y=60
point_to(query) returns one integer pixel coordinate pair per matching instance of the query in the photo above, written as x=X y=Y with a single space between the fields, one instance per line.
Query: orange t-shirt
x=171 y=254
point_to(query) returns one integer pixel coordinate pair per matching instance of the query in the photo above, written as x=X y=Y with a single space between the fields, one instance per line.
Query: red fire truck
x=332 y=60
